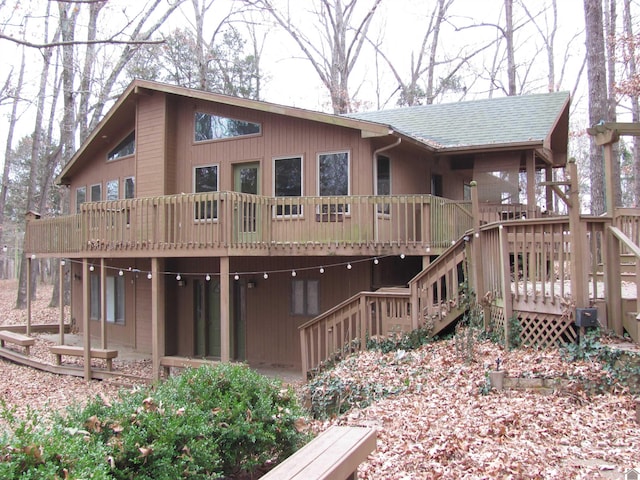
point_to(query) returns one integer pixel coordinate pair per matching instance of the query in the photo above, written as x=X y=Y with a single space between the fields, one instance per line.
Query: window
x=125 y=147
x=466 y=192
x=305 y=297
x=129 y=187
x=206 y=180
x=114 y=295
x=214 y=127
x=81 y=197
x=112 y=190
x=383 y=181
x=333 y=179
x=96 y=192
x=287 y=183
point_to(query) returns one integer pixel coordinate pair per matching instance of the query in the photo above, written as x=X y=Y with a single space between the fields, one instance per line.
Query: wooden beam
x=103 y=304
x=61 y=300
x=608 y=179
x=578 y=241
x=86 y=311
x=157 y=318
x=28 y=329
x=225 y=302
x=531 y=185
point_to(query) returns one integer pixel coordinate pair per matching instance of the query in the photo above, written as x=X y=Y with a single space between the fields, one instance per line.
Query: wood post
x=157 y=317
x=531 y=185
x=28 y=327
x=506 y=282
x=103 y=304
x=476 y=249
x=578 y=241
x=61 y=300
x=86 y=333
x=225 y=317
x=612 y=263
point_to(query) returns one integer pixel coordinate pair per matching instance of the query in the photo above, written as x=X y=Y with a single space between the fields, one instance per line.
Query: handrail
x=626 y=240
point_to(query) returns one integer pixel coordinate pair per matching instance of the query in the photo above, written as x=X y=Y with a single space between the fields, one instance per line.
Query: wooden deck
x=231 y=223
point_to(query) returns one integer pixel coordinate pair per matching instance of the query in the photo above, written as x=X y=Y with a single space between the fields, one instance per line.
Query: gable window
x=383 y=181
x=214 y=127
x=334 y=179
x=114 y=297
x=96 y=192
x=81 y=197
x=125 y=148
x=206 y=180
x=287 y=174
x=112 y=189
x=305 y=297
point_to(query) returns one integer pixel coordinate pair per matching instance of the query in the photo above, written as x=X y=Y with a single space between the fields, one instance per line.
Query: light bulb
x=376 y=261
x=208 y=277
x=236 y=277
x=266 y=275
x=121 y=273
x=293 y=273
x=149 y=276
x=178 y=277
x=92 y=268
x=349 y=267
x=321 y=269
x=402 y=256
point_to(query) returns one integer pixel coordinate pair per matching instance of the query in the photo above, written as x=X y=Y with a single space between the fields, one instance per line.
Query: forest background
x=66 y=61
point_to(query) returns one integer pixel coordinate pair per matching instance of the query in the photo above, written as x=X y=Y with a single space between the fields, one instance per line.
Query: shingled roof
x=505 y=120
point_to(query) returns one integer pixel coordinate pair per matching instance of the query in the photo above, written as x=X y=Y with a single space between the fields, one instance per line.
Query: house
x=204 y=225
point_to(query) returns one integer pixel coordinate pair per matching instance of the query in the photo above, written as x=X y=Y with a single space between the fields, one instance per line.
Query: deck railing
x=237 y=220
x=347 y=327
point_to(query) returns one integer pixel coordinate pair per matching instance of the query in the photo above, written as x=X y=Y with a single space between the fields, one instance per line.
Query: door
x=246 y=179
x=206 y=309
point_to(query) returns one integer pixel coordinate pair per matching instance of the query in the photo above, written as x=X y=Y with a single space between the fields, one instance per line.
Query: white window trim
x=124 y=186
x=217 y=165
x=300 y=214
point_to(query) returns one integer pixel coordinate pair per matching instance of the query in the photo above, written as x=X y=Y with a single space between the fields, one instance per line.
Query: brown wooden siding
x=150 y=146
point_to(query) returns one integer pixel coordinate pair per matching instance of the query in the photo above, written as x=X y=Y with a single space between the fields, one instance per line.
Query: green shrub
x=206 y=423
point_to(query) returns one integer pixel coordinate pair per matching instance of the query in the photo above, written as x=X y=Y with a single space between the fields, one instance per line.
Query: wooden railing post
x=612 y=274
x=505 y=282
x=477 y=251
x=577 y=241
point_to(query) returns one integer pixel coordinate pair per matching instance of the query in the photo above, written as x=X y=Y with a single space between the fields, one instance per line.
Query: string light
x=402 y=256
x=208 y=277
x=349 y=267
x=236 y=277
x=62 y=262
x=293 y=273
x=149 y=276
x=266 y=275
x=178 y=277
x=376 y=261
x=121 y=273
x=91 y=268
x=321 y=270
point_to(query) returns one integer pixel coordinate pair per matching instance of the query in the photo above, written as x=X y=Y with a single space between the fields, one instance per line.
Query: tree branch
x=110 y=41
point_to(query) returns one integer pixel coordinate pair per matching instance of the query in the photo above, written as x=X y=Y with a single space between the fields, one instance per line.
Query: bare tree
x=334 y=55
x=596 y=74
x=612 y=103
x=629 y=47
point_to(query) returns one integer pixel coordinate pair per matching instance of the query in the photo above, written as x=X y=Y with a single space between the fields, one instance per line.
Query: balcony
x=235 y=224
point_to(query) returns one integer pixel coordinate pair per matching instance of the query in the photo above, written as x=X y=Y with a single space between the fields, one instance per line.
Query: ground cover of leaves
x=439 y=424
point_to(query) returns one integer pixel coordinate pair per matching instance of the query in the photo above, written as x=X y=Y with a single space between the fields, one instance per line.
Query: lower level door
x=206 y=298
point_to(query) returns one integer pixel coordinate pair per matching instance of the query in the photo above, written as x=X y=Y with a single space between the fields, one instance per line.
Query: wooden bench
x=17 y=338
x=333 y=455
x=73 y=351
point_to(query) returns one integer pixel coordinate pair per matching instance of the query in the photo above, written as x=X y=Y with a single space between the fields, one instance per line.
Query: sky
x=399 y=24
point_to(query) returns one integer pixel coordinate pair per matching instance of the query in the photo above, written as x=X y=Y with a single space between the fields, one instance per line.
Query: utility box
x=586 y=317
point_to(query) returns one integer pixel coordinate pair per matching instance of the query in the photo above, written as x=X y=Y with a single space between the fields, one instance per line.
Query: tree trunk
x=633 y=98
x=508 y=35
x=596 y=74
x=612 y=103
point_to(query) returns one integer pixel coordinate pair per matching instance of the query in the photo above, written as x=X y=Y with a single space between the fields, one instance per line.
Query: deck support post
x=506 y=283
x=476 y=248
x=531 y=185
x=28 y=327
x=103 y=304
x=86 y=333
x=577 y=241
x=61 y=300
x=225 y=320
x=612 y=275
x=157 y=317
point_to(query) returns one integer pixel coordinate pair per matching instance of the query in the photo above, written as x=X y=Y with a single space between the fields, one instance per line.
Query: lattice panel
x=545 y=330
x=496 y=322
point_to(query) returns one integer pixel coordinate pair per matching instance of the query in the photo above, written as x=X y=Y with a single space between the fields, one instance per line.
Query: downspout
x=375 y=179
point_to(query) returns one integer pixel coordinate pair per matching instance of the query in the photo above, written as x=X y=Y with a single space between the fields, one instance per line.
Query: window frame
x=223 y=138
x=288 y=211
x=82 y=189
x=124 y=190
x=331 y=210
x=385 y=208
x=114 y=154
x=210 y=209
x=303 y=306
x=99 y=186
x=109 y=183
x=115 y=298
